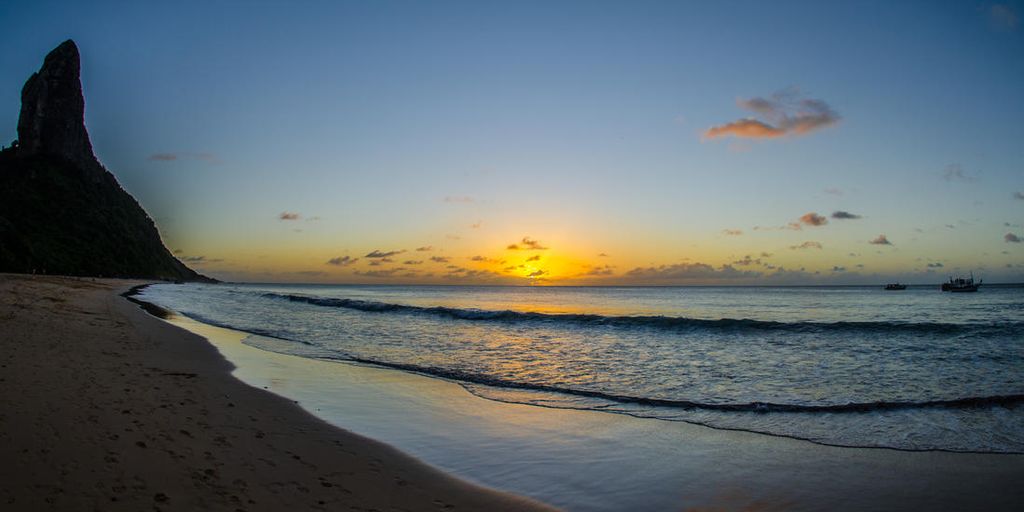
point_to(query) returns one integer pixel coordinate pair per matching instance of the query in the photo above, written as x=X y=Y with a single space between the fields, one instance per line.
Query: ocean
x=844 y=366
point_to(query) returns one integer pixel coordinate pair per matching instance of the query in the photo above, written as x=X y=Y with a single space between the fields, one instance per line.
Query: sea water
x=848 y=366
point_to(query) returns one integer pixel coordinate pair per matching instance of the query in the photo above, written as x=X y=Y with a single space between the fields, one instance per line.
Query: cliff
x=61 y=211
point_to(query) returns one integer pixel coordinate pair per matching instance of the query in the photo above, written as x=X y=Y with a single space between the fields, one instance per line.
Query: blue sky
x=467 y=126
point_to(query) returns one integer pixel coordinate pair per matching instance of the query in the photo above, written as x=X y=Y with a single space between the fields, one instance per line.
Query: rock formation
x=61 y=211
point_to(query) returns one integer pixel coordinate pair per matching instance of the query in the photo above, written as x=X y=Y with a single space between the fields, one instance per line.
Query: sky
x=556 y=143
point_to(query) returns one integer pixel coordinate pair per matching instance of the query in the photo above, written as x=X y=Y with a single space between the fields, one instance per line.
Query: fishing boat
x=895 y=286
x=961 y=284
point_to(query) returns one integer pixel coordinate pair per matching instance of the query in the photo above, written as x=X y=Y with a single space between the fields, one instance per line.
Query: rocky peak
x=52 y=120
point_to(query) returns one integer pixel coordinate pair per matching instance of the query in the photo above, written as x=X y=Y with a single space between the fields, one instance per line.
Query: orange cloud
x=813 y=219
x=526 y=245
x=784 y=113
x=745 y=128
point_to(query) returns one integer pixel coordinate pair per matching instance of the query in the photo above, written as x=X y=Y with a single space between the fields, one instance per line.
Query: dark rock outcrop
x=52 y=120
x=61 y=212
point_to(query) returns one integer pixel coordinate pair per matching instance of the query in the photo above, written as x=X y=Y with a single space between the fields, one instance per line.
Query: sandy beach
x=108 y=408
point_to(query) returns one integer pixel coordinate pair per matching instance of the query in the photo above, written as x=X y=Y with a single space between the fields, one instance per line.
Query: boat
x=961 y=284
x=895 y=286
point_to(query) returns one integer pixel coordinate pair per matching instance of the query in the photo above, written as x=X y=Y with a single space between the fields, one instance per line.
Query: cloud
x=458 y=199
x=412 y=262
x=170 y=157
x=440 y=259
x=838 y=269
x=476 y=225
x=840 y=214
x=732 y=232
x=310 y=273
x=1003 y=17
x=606 y=270
x=784 y=113
x=526 y=245
x=934 y=265
x=745 y=128
x=1012 y=238
x=806 y=245
x=603 y=255
x=536 y=273
x=533 y=258
x=342 y=261
x=880 y=240
x=955 y=172
x=747 y=260
x=379 y=254
x=1018 y=195
x=813 y=219
x=687 y=272
x=289 y=216
x=485 y=259
x=425 y=248
x=199 y=260
x=834 y=191
x=379 y=273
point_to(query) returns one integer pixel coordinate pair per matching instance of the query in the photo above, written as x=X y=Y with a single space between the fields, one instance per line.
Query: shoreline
x=449 y=446
x=108 y=407
x=591 y=460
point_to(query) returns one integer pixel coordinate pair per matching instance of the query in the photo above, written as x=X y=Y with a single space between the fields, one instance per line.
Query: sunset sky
x=556 y=142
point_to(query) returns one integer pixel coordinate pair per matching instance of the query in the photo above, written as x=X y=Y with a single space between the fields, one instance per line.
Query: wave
x=472 y=378
x=650 y=321
x=753 y=407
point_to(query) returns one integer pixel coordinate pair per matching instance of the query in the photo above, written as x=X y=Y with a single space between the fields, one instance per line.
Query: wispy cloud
x=440 y=259
x=786 y=112
x=379 y=254
x=880 y=240
x=955 y=172
x=806 y=245
x=747 y=260
x=837 y=268
x=1018 y=195
x=458 y=199
x=390 y=272
x=171 y=157
x=840 y=214
x=485 y=259
x=605 y=270
x=934 y=265
x=199 y=260
x=526 y=244
x=412 y=262
x=289 y=216
x=342 y=261
x=732 y=232
x=1012 y=238
x=603 y=255
x=533 y=258
x=834 y=191
x=425 y=248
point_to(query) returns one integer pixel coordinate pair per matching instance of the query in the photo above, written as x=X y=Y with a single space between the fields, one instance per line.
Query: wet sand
x=106 y=407
x=595 y=461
